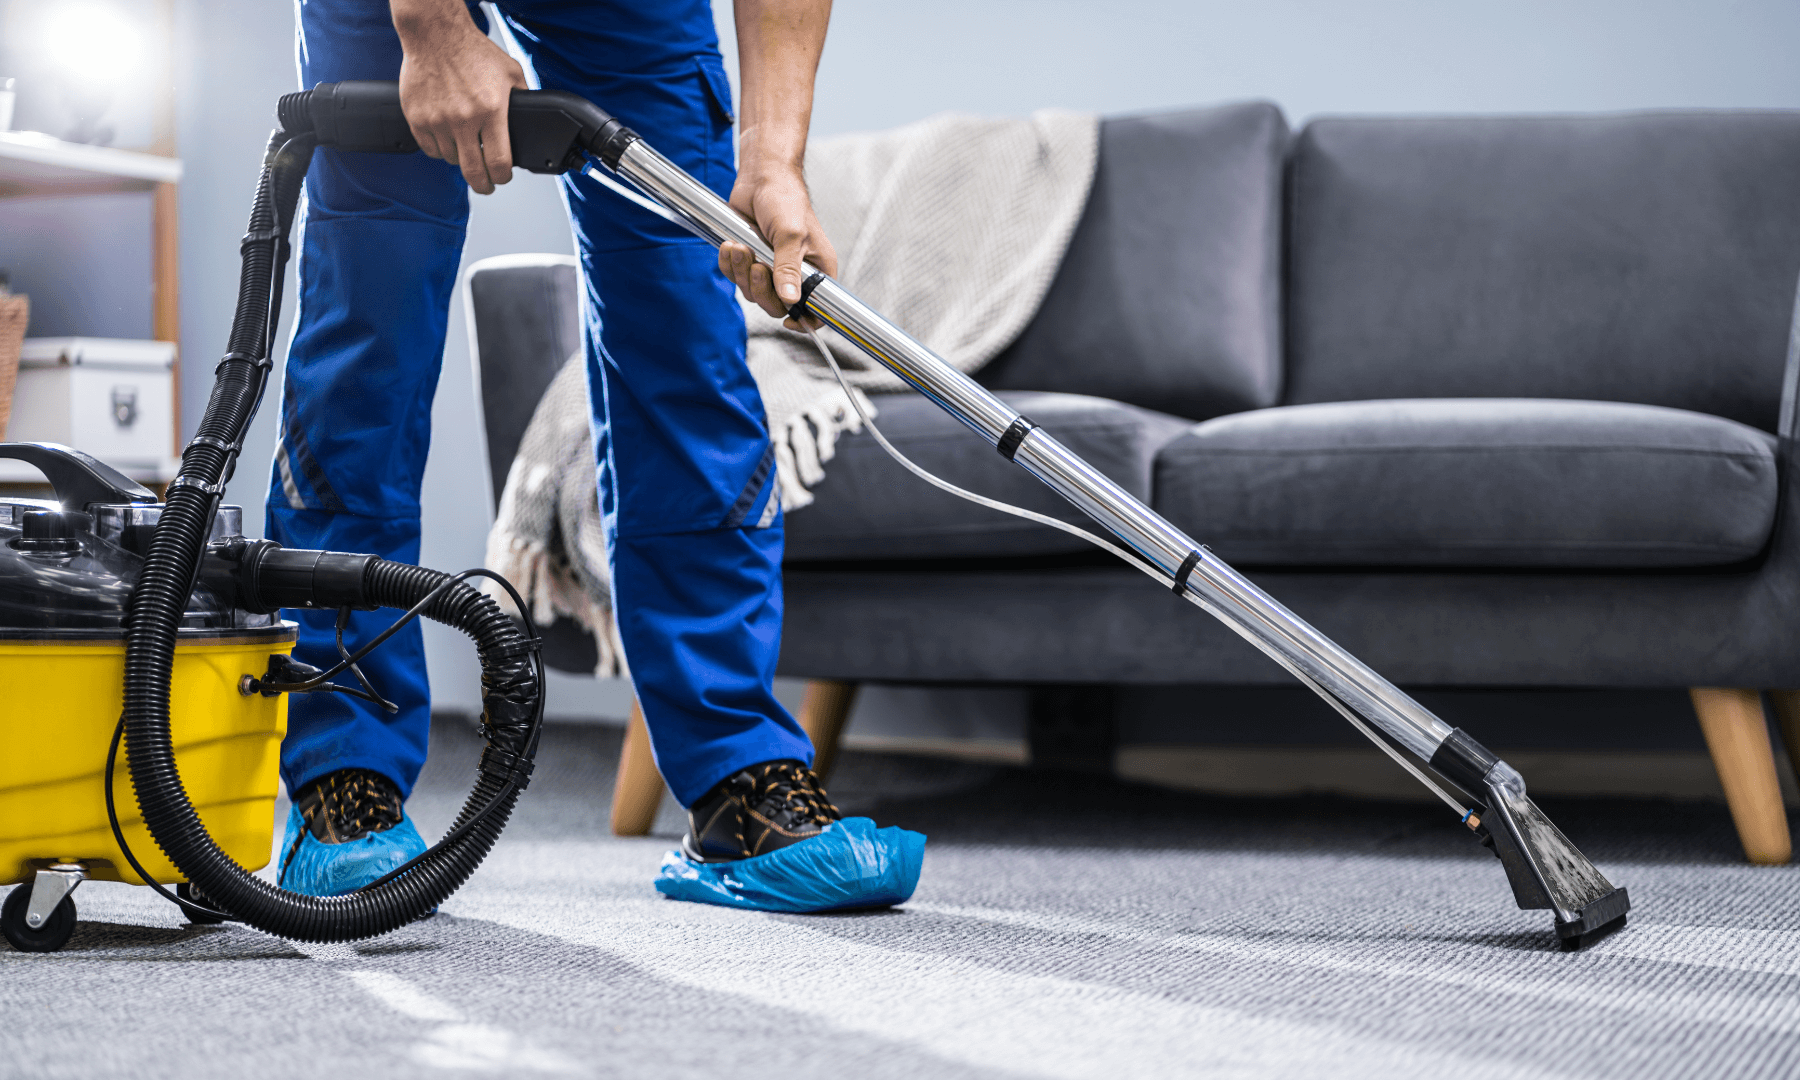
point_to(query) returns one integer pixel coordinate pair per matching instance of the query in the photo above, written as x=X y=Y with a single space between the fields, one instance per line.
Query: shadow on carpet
x=956 y=802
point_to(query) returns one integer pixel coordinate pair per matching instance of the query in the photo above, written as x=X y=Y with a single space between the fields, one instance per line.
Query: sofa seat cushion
x=868 y=507
x=1474 y=483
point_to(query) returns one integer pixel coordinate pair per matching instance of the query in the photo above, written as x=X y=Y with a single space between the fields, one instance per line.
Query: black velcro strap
x=217 y=444
x=798 y=307
x=187 y=481
x=1013 y=436
x=1182 y=574
x=502 y=765
x=238 y=354
x=259 y=236
x=524 y=646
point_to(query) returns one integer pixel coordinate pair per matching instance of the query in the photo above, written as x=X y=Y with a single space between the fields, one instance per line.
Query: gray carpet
x=1064 y=928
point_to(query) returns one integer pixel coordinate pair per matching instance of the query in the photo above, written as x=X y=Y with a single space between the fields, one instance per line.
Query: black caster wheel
x=51 y=936
x=187 y=892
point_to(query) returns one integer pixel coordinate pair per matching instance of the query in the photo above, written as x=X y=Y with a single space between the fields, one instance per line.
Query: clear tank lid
x=70 y=573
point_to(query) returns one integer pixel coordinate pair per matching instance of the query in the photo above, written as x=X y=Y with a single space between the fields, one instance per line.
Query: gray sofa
x=1493 y=402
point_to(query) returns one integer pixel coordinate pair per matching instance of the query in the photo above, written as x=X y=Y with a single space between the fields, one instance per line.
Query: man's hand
x=455 y=87
x=779 y=42
x=775 y=198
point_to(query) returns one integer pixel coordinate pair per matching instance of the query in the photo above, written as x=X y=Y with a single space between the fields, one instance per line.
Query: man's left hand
x=775 y=198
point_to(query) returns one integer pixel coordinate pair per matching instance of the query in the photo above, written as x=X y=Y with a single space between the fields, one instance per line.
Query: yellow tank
x=60 y=700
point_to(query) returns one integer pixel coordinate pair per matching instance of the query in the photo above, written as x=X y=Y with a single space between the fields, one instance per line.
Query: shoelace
x=781 y=787
x=344 y=806
x=351 y=803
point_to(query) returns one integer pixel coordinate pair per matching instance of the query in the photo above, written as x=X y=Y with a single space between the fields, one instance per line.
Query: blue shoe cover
x=321 y=869
x=852 y=864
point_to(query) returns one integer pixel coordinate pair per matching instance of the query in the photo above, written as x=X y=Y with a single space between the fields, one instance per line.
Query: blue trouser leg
x=378 y=247
x=685 y=463
x=684 y=466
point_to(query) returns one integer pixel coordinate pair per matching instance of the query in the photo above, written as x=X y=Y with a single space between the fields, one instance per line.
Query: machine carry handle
x=79 y=480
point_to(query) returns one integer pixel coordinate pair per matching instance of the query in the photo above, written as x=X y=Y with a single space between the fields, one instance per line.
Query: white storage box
x=108 y=397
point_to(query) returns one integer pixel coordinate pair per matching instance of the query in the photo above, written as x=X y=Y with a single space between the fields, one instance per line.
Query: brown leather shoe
x=755 y=811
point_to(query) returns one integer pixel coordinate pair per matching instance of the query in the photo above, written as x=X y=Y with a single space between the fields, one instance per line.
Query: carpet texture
x=1064 y=927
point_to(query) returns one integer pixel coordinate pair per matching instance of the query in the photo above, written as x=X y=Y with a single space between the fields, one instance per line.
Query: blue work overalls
x=684 y=462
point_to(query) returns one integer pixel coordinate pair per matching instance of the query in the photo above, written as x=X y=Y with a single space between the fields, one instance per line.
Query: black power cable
x=372 y=696
x=188 y=907
x=348 y=662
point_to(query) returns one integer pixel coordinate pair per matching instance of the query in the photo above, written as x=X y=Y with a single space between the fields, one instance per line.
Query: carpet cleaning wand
x=555 y=132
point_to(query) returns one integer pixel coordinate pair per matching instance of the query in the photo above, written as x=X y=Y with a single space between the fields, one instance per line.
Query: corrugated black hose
x=511 y=672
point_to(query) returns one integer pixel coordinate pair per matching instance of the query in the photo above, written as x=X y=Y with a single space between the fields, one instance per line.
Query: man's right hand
x=455 y=86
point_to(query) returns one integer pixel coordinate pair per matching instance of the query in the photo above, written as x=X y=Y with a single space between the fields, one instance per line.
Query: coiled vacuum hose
x=509 y=680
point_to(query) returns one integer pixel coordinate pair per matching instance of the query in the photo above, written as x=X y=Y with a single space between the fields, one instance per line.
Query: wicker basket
x=15 y=312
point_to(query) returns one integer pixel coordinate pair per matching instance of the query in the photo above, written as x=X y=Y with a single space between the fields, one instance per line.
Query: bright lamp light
x=91 y=39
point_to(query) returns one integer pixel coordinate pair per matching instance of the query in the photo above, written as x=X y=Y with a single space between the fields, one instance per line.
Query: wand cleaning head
x=1543 y=867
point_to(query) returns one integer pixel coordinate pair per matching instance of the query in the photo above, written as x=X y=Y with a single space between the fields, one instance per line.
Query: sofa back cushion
x=1646 y=258
x=1169 y=295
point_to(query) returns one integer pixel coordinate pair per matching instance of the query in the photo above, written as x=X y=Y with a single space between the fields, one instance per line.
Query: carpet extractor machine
x=108 y=588
x=155 y=625
x=108 y=595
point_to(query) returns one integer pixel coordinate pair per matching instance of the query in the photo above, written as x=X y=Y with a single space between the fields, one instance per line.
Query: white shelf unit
x=32 y=164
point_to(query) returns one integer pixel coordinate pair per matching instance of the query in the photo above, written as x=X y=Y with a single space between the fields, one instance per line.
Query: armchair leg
x=637 y=791
x=823 y=713
x=1738 y=737
x=1787 y=716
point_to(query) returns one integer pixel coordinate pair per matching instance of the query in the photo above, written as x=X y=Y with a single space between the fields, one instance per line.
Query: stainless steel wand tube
x=1204 y=578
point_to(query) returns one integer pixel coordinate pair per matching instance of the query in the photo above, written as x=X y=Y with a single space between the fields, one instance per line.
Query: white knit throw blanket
x=952 y=227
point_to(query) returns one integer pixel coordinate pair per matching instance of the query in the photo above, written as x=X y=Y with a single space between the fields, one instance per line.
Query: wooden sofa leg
x=637 y=790
x=822 y=713
x=1738 y=737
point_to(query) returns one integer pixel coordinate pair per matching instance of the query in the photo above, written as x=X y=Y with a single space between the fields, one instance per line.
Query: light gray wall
x=888 y=63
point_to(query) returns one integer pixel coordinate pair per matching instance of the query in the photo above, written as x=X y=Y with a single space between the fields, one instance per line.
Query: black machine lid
x=67 y=566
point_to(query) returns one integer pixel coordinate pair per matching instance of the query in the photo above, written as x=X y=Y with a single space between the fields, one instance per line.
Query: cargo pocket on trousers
x=721 y=156
x=718 y=88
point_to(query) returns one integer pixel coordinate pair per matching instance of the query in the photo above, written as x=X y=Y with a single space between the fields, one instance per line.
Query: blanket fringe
x=549 y=585
x=808 y=440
